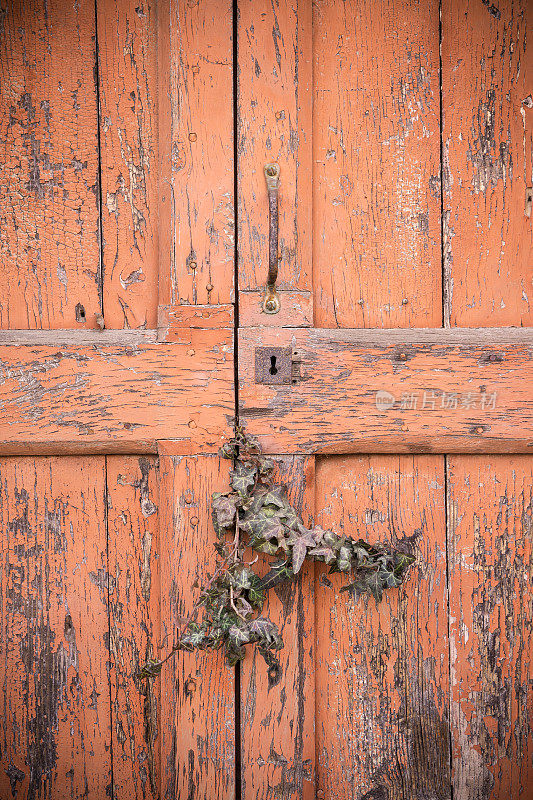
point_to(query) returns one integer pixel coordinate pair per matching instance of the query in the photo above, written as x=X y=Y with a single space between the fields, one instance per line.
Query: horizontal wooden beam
x=387 y=391
x=115 y=392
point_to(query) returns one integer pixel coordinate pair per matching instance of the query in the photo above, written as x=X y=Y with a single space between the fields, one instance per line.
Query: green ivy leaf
x=243 y=477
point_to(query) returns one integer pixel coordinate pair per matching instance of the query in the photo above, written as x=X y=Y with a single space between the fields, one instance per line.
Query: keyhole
x=273 y=369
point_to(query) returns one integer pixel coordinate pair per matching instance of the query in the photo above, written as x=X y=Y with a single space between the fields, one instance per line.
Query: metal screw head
x=270 y=305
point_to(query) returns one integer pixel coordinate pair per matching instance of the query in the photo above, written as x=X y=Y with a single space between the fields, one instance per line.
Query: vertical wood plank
x=275 y=124
x=49 y=177
x=196 y=152
x=490 y=556
x=55 y=732
x=487 y=70
x=127 y=49
x=277 y=717
x=376 y=162
x=134 y=597
x=197 y=691
x=382 y=671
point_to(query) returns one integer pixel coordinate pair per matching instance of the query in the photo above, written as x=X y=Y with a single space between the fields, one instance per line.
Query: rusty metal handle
x=271 y=304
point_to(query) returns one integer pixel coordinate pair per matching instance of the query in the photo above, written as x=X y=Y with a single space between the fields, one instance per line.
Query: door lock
x=276 y=366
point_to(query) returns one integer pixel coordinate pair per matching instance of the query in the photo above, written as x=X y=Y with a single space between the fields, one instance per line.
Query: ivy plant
x=256 y=514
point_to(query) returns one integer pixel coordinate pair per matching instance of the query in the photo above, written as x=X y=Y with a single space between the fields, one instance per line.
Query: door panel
x=382 y=671
x=490 y=564
x=487 y=68
x=196 y=220
x=116 y=392
x=274 y=123
x=128 y=95
x=389 y=391
x=56 y=732
x=278 y=712
x=376 y=164
x=49 y=214
x=134 y=622
x=197 y=690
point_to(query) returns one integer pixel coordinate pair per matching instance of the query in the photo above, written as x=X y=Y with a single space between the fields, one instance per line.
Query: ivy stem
x=219 y=570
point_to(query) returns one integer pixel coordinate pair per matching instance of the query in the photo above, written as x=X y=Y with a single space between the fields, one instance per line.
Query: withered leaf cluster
x=256 y=513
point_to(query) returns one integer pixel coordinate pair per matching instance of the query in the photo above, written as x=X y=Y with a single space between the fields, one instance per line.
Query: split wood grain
x=196 y=152
x=382 y=686
x=49 y=216
x=134 y=597
x=487 y=70
x=278 y=716
x=376 y=164
x=274 y=123
x=128 y=93
x=197 y=690
x=490 y=564
x=123 y=395
x=392 y=391
x=55 y=733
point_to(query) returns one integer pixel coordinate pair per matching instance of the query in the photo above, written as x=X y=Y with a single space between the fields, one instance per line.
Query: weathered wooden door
x=134 y=247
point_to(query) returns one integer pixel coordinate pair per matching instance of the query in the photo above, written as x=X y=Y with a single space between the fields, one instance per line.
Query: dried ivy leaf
x=151 y=669
x=266 y=631
x=224 y=508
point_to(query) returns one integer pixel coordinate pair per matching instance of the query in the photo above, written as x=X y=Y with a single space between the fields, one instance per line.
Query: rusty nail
x=209 y=287
x=192 y=137
x=405 y=301
x=361 y=302
x=479 y=429
x=194 y=520
x=190 y=352
x=270 y=305
x=193 y=265
x=192 y=424
x=100 y=321
x=403 y=356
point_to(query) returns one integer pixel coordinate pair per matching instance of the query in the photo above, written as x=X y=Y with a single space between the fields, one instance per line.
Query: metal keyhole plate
x=273 y=365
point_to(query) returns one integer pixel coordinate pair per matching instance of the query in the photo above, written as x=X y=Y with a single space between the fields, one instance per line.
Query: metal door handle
x=271 y=304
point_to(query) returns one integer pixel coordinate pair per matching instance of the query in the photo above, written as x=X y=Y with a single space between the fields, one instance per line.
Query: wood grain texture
x=376 y=162
x=392 y=391
x=198 y=709
x=487 y=70
x=171 y=320
x=134 y=597
x=124 y=395
x=275 y=124
x=196 y=152
x=49 y=176
x=127 y=69
x=490 y=564
x=296 y=310
x=55 y=733
x=382 y=671
x=277 y=716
